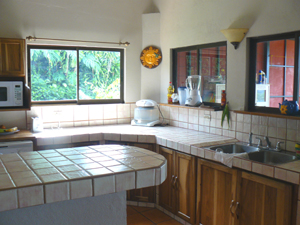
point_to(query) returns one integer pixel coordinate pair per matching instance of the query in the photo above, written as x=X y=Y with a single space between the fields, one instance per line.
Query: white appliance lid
x=146 y=103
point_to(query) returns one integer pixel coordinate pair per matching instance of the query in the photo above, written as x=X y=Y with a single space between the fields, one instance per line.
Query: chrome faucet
x=278 y=148
x=268 y=142
x=250 y=139
x=259 y=143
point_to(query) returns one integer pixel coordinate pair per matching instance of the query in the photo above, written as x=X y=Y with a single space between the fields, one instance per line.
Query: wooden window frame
x=198 y=48
x=252 y=69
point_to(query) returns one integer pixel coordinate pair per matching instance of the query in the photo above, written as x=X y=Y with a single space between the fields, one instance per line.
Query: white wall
x=182 y=23
x=95 y=20
x=193 y=22
x=150 y=78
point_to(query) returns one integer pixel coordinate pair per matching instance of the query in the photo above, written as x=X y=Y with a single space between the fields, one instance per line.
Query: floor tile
x=170 y=222
x=138 y=219
x=156 y=216
x=141 y=209
x=130 y=210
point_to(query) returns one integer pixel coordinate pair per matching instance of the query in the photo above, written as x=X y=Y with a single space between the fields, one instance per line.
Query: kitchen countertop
x=183 y=140
x=40 y=177
x=21 y=135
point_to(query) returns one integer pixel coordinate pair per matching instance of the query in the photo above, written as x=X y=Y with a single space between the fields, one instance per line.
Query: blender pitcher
x=193 y=84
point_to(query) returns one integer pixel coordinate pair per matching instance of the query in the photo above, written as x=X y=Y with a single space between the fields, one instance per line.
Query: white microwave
x=11 y=93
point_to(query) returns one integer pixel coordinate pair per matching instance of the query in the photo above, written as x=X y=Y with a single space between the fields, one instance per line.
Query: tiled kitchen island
x=52 y=176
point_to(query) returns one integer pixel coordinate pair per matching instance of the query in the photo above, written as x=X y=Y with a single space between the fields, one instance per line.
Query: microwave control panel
x=18 y=94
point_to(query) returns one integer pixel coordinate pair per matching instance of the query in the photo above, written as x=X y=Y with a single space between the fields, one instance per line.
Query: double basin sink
x=257 y=154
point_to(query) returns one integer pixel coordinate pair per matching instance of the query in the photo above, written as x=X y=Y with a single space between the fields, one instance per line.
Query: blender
x=193 y=83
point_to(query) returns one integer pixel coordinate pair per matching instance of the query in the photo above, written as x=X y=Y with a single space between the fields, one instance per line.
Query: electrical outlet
x=207 y=117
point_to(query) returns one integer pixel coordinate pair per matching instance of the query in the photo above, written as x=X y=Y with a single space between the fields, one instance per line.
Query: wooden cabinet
x=216 y=193
x=166 y=189
x=142 y=194
x=178 y=193
x=264 y=201
x=228 y=196
x=12 y=57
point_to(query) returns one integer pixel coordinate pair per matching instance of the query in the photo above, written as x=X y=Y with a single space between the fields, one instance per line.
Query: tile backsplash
x=239 y=127
x=200 y=119
x=81 y=115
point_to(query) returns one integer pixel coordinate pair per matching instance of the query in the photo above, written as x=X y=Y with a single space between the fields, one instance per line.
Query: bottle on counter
x=170 y=92
x=223 y=98
x=261 y=77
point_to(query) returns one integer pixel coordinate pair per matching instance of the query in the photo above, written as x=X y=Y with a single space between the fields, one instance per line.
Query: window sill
x=277 y=115
x=209 y=108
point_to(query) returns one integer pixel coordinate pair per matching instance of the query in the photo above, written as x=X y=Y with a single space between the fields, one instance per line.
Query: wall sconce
x=235 y=35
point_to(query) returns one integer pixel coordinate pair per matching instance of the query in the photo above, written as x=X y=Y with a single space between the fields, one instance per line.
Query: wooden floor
x=148 y=216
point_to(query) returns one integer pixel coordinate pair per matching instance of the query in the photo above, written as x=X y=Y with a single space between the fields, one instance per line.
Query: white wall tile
x=81 y=112
x=110 y=111
x=96 y=112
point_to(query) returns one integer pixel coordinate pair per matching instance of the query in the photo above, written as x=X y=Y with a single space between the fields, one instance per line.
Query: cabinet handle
x=172 y=180
x=175 y=182
x=237 y=209
x=231 y=205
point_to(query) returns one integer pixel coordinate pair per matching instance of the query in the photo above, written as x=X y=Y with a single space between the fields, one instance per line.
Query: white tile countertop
x=40 y=177
x=184 y=140
x=177 y=138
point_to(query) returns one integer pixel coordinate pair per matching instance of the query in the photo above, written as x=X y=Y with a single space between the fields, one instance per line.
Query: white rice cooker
x=146 y=113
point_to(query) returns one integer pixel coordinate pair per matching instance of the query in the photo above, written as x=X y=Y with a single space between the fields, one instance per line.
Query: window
x=75 y=75
x=274 y=71
x=207 y=60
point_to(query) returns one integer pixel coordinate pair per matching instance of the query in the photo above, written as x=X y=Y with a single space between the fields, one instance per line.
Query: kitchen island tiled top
x=34 y=178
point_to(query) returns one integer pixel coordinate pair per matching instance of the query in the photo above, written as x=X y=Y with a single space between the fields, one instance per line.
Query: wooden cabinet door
x=12 y=57
x=166 y=190
x=264 y=201
x=216 y=193
x=143 y=194
x=185 y=186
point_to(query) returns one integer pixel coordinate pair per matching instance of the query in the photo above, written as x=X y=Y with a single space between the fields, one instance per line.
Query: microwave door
x=6 y=94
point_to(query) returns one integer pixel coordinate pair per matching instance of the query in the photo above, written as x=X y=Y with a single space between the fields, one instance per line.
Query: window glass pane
x=274 y=68
x=290 y=53
x=213 y=72
x=187 y=64
x=276 y=80
x=53 y=74
x=289 y=86
x=99 y=74
x=260 y=58
x=277 y=52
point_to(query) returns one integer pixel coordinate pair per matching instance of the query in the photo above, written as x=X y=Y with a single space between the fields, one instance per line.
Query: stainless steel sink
x=234 y=148
x=271 y=157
